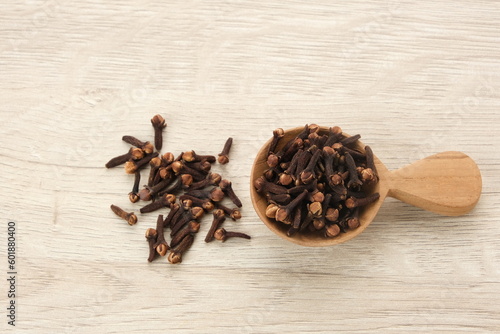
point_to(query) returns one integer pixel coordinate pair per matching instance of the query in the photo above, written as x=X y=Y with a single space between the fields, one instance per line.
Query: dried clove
x=175 y=255
x=159 y=124
x=147 y=147
x=191 y=227
x=151 y=237
x=222 y=235
x=219 y=218
x=129 y=217
x=227 y=188
x=161 y=244
x=166 y=200
x=224 y=155
x=132 y=166
x=133 y=196
x=132 y=154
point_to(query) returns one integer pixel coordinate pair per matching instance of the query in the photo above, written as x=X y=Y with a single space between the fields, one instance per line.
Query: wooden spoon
x=447 y=183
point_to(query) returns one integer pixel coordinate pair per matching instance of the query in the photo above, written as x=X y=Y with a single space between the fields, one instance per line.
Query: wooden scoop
x=447 y=183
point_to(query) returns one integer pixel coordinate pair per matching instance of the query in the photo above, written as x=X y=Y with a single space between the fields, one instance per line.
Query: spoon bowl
x=447 y=183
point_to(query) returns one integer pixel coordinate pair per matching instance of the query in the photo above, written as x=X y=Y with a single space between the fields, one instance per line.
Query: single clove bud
x=277 y=135
x=370 y=163
x=308 y=174
x=353 y=220
x=130 y=217
x=281 y=199
x=180 y=167
x=234 y=214
x=283 y=213
x=133 y=154
x=206 y=204
x=222 y=235
x=133 y=196
x=191 y=227
x=132 y=166
x=151 y=236
x=226 y=187
x=159 y=124
x=353 y=202
x=164 y=201
x=354 y=181
x=191 y=156
x=155 y=164
x=147 y=147
x=219 y=218
x=173 y=211
x=350 y=140
x=262 y=185
x=212 y=179
x=224 y=155
x=175 y=255
x=161 y=244
x=215 y=195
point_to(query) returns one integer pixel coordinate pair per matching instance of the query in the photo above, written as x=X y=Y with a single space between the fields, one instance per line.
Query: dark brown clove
x=133 y=196
x=129 y=217
x=161 y=244
x=234 y=214
x=354 y=181
x=283 y=213
x=147 y=147
x=176 y=254
x=164 y=201
x=215 y=195
x=219 y=218
x=155 y=164
x=151 y=236
x=132 y=166
x=191 y=156
x=277 y=135
x=224 y=155
x=206 y=204
x=191 y=227
x=227 y=188
x=212 y=179
x=133 y=154
x=222 y=235
x=174 y=208
x=159 y=124
x=353 y=202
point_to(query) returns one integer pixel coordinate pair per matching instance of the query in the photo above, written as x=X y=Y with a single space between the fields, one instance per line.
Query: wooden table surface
x=414 y=78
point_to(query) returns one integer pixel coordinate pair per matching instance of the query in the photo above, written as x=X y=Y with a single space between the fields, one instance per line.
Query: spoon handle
x=447 y=183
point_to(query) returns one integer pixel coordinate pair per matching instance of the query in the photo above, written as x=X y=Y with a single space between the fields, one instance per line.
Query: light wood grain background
x=414 y=78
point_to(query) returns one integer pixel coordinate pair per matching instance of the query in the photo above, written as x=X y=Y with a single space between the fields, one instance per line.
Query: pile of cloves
x=185 y=185
x=317 y=182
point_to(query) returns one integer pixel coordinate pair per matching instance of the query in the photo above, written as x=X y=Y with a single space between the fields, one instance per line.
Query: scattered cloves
x=170 y=176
